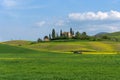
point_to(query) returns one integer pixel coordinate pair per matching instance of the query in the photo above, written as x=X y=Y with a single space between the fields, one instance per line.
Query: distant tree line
x=72 y=35
x=66 y=35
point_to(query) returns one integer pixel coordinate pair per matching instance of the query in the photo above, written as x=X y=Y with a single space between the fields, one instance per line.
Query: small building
x=67 y=34
x=46 y=38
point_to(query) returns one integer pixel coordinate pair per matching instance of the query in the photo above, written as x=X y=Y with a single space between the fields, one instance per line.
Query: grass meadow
x=56 y=66
x=18 y=63
x=96 y=47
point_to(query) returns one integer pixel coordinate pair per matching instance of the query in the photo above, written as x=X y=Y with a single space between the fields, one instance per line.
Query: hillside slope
x=112 y=35
x=14 y=49
x=68 y=47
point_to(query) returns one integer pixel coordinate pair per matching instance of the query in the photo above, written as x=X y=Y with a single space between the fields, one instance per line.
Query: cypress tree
x=53 y=34
x=61 y=33
x=50 y=37
x=71 y=31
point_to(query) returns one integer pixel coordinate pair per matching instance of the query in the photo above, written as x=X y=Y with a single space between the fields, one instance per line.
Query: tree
x=53 y=34
x=57 y=36
x=84 y=36
x=61 y=34
x=105 y=37
x=50 y=37
x=71 y=32
x=77 y=35
x=39 y=40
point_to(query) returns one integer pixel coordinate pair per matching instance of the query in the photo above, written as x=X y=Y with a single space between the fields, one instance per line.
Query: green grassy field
x=17 y=63
x=98 y=47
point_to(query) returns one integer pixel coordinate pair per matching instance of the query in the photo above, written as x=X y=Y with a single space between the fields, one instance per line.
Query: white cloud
x=41 y=23
x=9 y=3
x=90 y=22
x=111 y=15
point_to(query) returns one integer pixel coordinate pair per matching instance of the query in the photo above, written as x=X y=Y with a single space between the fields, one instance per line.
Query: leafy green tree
x=53 y=34
x=77 y=35
x=105 y=37
x=39 y=40
x=84 y=36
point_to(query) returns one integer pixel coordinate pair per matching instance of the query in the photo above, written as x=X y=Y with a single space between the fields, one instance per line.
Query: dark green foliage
x=93 y=38
x=84 y=36
x=115 y=39
x=61 y=35
x=77 y=35
x=115 y=36
x=53 y=34
x=39 y=40
x=71 y=31
x=34 y=42
x=50 y=37
x=105 y=37
x=57 y=36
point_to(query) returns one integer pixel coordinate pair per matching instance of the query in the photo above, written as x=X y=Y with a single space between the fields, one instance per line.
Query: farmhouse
x=46 y=38
x=67 y=34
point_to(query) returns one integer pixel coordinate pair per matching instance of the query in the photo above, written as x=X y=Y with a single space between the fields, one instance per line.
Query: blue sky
x=31 y=19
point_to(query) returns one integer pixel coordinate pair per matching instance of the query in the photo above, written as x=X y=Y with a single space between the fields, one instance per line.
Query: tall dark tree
x=71 y=31
x=53 y=34
x=61 y=34
x=50 y=37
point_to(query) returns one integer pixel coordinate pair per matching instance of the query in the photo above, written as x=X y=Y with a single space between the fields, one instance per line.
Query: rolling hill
x=4 y=48
x=112 y=35
x=101 y=33
x=68 y=47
